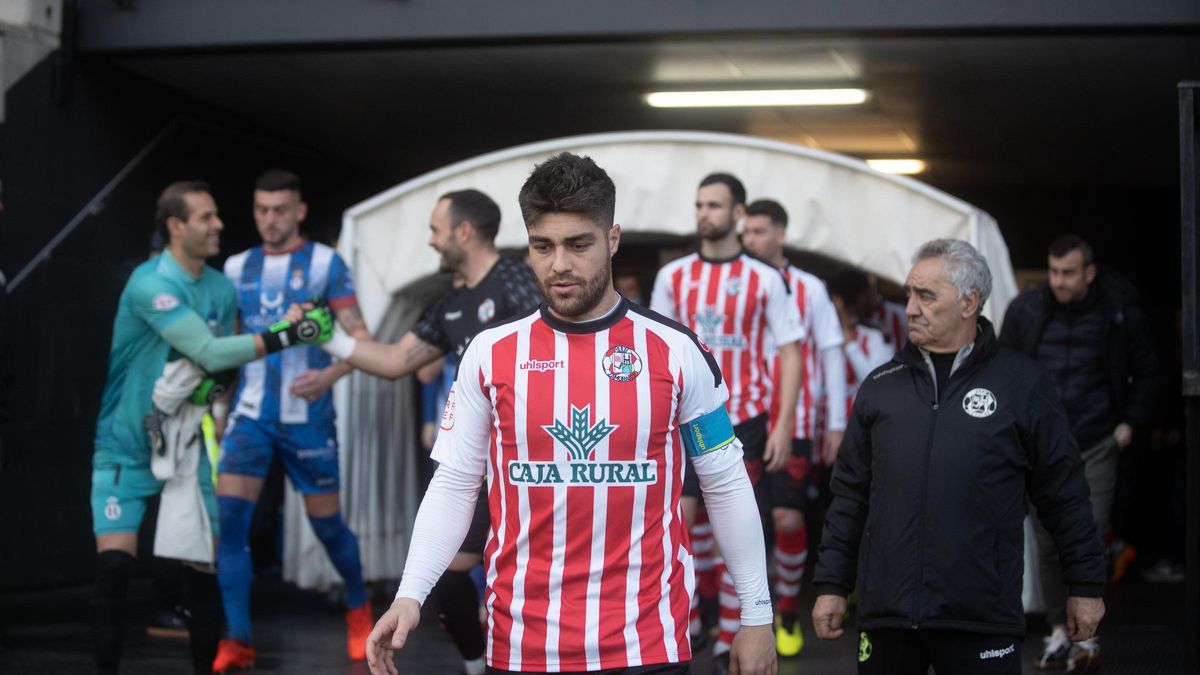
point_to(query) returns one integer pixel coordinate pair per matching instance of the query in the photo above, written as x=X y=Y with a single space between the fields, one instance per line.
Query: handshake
x=307 y=324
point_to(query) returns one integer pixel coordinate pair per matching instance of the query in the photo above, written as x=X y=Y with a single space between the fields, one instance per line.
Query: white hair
x=968 y=270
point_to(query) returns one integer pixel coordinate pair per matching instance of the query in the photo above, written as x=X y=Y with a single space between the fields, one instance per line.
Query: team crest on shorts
x=487 y=310
x=112 y=508
x=622 y=364
x=979 y=403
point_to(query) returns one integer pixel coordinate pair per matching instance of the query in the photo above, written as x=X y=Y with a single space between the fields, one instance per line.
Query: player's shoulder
x=675 y=334
x=235 y=263
x=805 y=279
x=764 y=269
x=503 y=328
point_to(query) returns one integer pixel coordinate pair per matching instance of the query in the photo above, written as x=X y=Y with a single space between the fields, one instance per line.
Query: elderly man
x=943 y=446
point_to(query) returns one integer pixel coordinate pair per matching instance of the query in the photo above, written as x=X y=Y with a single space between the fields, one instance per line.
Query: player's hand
x=833 y=441
x=314 y=327
x=428 y=435
x=1123 y=434
x=390 y=633
x=296 y=312
x=779 y=448
x=753 y=651
x=311 y=385
x=1083 y=617
x=828 y=614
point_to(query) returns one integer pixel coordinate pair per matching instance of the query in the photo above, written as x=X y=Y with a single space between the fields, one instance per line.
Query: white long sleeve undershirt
x=833 y=369
x=729 y=499
x=439 y=530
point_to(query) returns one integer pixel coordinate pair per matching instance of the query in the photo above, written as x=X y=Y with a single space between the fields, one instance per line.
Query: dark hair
x=849 y=285
x=275 y=180
x=476 y=208
x=1070 y=242
x=568 y=183
x=730 y=181
x=171 y=203
x=771 y=208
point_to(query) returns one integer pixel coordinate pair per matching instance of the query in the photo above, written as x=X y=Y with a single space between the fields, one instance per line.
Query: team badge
x=487 y=310
x=622 y=364
x=733 y=286
x=448 y=412
x=164 y=301
x=112 y=508
x=297 y=281
x=979 y=403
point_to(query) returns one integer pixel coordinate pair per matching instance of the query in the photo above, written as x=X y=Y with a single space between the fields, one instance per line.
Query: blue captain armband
x=708 y=432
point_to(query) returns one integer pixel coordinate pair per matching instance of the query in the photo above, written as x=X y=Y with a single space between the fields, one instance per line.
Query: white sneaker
x=1085 y=656
x=1056 y=651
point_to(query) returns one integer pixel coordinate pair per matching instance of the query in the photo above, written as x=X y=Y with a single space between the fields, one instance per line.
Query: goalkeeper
x=172 y=306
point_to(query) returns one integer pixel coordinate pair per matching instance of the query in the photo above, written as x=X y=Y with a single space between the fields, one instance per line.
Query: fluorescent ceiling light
x=762 y=97
x=906 y=167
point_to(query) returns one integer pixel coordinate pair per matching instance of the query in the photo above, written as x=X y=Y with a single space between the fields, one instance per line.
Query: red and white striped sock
x=791 y=552
x=730 y=613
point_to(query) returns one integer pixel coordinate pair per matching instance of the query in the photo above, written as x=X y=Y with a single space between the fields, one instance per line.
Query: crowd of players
x=578 y=406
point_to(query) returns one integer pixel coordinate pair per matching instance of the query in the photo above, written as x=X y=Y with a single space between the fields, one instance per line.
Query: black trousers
x=660 y=669
x=893 y=651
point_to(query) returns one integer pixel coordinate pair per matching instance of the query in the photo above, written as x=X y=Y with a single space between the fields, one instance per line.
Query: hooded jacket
x=930 y=489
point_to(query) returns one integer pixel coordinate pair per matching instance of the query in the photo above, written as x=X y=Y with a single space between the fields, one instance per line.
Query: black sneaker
x=170 y=624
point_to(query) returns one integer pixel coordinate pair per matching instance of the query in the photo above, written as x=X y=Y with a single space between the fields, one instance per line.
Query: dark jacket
x=930 y=488
x=1128 y=349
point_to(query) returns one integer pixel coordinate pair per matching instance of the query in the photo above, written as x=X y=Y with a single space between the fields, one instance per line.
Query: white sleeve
x=463 y=436
x=783 y=312
x=439 y=530
x=660 y=298
x=703 y=392
x=729 y=499
x=833 y=371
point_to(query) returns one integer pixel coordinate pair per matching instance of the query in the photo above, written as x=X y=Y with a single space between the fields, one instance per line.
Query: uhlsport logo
x=979 y=403
x=622 y=364
x=580 y=439
x=996 y=653
x=541 y=366
x=708 y=322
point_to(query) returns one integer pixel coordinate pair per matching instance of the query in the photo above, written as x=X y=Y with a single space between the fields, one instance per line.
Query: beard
x=713 y=231
x=585 y=297
x=450 y=259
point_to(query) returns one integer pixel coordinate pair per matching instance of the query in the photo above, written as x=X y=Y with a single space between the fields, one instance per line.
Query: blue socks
x=234 y=568
x=342 y=547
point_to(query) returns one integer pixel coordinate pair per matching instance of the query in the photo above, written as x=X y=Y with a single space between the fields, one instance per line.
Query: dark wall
x=55 y=154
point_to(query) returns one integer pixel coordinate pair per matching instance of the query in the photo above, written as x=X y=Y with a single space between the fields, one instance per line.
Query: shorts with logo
x=308 y=451
x=896 y=651
x=787 y=487
x=120 y=492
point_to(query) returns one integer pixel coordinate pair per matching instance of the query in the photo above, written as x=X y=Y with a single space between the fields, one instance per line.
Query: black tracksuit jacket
x=930 y=488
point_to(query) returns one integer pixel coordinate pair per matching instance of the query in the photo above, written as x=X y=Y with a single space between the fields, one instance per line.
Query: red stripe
x=755 y=379
x=343 y=302
x=622 y=445
x=662 y=393
x=504 y=356
x=539 y=411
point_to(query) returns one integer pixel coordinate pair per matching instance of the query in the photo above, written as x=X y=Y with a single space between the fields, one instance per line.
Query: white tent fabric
x=838 y=207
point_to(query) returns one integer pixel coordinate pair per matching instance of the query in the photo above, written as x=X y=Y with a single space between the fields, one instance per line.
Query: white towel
x=184 y=529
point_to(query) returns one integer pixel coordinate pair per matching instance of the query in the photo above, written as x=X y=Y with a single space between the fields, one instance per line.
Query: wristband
x=340 y=346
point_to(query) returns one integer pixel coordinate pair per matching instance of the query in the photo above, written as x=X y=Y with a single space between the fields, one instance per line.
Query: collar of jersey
x=169 y=265
x=583 y=327
x=721 y=261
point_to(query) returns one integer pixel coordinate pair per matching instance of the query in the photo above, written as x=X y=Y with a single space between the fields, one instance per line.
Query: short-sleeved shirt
x=267 y=284
x=822 y=331
x=577 y=426
x=508 y=288
x=158 y=293
x=733 y=305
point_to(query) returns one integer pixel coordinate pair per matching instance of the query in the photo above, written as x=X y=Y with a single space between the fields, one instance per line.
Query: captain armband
x=708 y=432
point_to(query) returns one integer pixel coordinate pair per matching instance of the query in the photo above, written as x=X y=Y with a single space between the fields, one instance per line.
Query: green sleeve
x=190 y=336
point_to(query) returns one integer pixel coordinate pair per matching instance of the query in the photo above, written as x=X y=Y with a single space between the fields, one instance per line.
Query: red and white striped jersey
x=577 y=427
x=822 y=330
x=892 y=319
x=735 y=306
x=867 y=350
